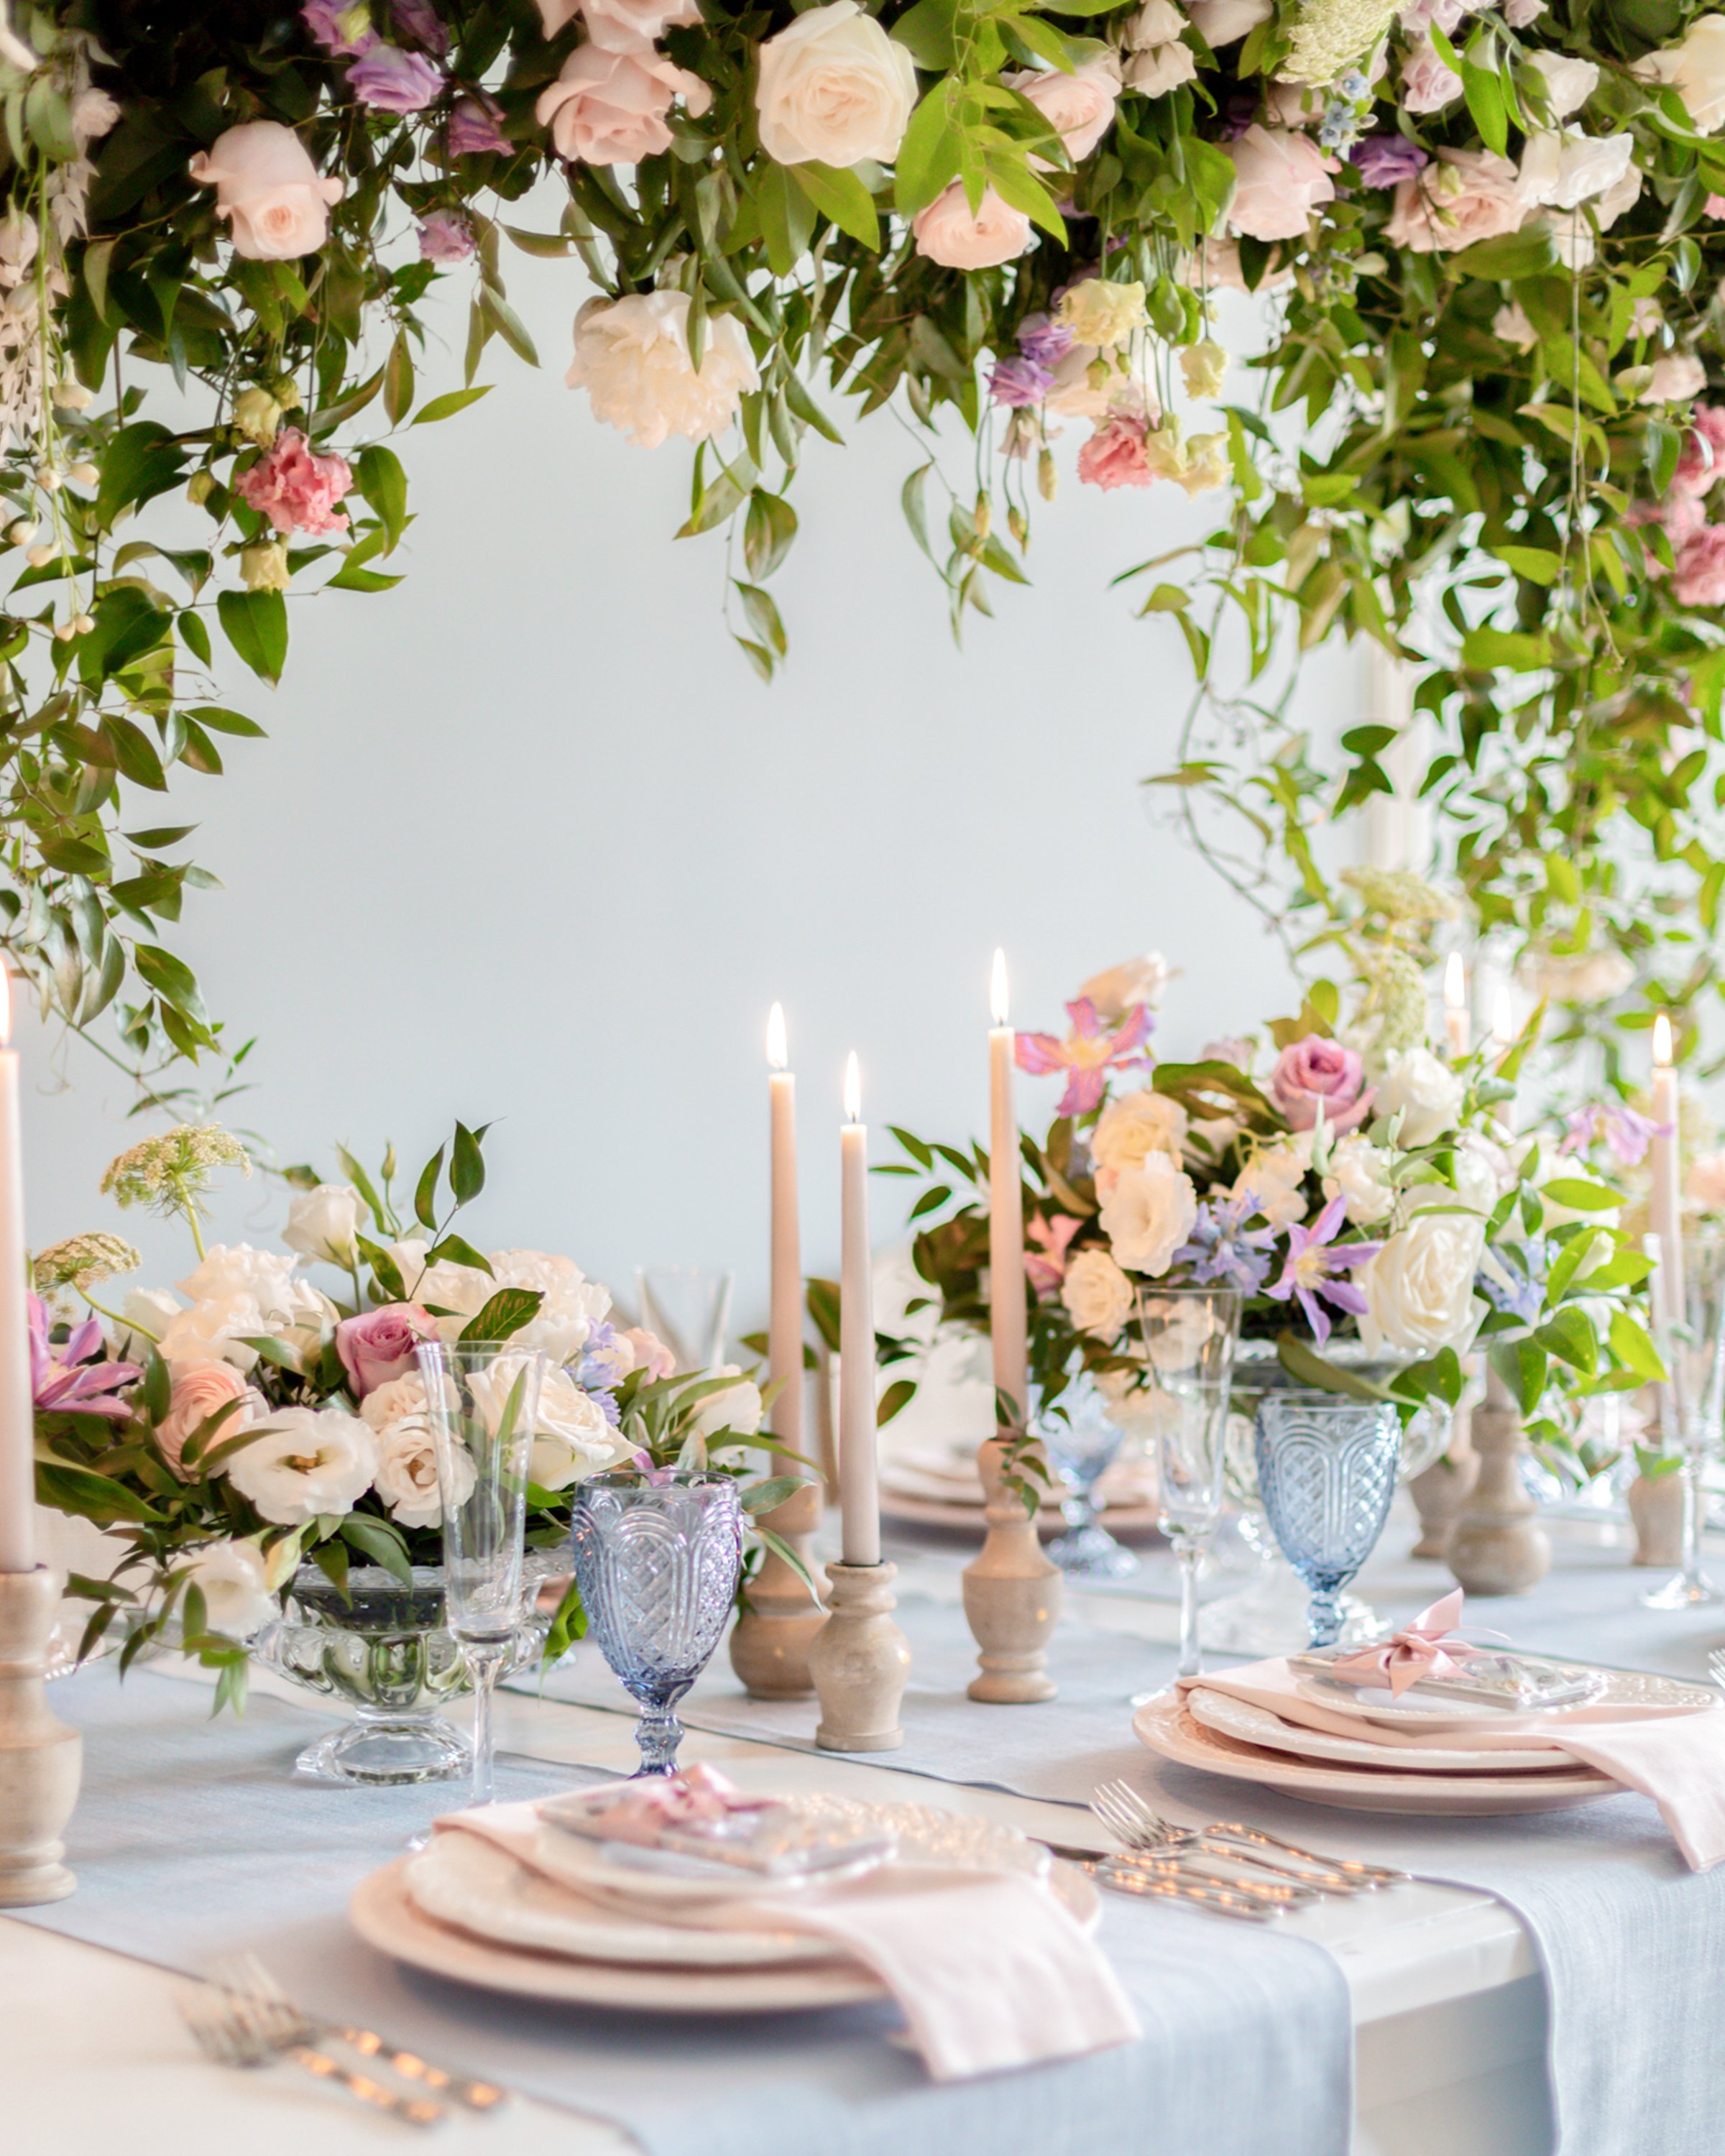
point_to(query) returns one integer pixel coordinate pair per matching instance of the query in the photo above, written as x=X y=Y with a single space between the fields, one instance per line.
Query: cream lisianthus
x=1273 y=1177
x=306 y=1463
x=1149 y=1214
x=1101 y=313
x=1098 y=1296
x=233 y=1579
x=1359 y=1173
x=324 y=1224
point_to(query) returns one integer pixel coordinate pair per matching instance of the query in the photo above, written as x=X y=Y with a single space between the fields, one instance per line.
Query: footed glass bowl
x=386 y=1649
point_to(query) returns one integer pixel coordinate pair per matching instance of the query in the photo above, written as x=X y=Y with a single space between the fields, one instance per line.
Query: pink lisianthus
x=472 y=129
x=1698 y=577
x=1315 y=1072
x=295 y=488
x=323 y=19
x=379 y=1347
x=1114 y=456
x=445 y=236
x=388 y=80
x=64 y=1381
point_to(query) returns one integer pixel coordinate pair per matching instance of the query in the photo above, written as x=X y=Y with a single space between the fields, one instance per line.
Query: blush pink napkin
x=1676 y=1758
x=991 y=1970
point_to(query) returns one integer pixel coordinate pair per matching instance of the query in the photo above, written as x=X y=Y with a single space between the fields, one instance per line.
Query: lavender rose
x=474 y=131
x=390 y=80
x=1315 y=1071
x=379 y=1347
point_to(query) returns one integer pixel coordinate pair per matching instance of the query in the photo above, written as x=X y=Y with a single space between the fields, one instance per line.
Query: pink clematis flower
x=1087 y=1055
x=1625 y=1130
x=1046 y=1268
x=1312 y=1264
x=64 y=1381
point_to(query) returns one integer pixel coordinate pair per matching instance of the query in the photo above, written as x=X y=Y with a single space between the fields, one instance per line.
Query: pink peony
x=1315 y=1070
x=199 y=1390
x=609 y=108
x=445 y=236
x=1114 y=456
x=1467 y=195
x=295 y=488
x=379 y=1347
x=1698 y=579
x=948 y=232
x=1280 y=177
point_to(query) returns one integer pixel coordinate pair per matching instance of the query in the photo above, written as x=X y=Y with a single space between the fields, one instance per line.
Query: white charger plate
x=1164 y=1725
x=1250 y=1724
x=1639 y=1688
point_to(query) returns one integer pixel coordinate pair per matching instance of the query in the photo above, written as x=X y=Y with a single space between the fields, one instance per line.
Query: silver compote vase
x=385 y=1648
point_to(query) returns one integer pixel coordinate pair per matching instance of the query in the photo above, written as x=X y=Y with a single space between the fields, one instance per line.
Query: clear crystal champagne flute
x=482 y=1399
x=1690 y=1331
x=1190 y=1335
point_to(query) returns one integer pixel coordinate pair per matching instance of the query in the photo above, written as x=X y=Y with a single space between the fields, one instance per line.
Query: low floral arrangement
x=251 y=1423
x=1355 y=1185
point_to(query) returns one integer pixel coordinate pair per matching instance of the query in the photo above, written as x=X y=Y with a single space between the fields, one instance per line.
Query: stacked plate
x=609 y=1932
x=938 y=1487
x=1445 y=1776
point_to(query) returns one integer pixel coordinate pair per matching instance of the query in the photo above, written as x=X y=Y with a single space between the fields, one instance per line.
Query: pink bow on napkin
x=639 y=1812
x=1424 y=1648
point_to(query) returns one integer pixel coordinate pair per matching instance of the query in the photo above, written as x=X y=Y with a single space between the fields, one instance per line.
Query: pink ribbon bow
x=641 y=1811
x=1425 y=1648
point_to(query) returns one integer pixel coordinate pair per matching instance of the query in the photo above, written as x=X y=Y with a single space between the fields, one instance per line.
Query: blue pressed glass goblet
x=1327 y=1469
x=657 y=1557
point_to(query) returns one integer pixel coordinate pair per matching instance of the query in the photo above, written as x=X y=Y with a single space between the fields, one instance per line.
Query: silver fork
x=267 y=2008
x=1715 y=1666
x=225 y=2034
x=1122 y=1810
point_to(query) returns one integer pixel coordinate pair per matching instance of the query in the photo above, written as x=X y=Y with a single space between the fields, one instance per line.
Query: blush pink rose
x=1114 y=456
x=652 y=1355
x=1315 y=1070
x=1698 y=573
x=198 y=1390
x=379 y=1347
x=1078 y=106
x=1279 y=178
x=269 y=189
x=947 y=232
x=295 y=487
x=608 y=108
x=1703 y=462
x=1467 y=195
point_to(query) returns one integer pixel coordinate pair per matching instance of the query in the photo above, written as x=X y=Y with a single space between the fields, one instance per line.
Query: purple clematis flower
x=1043 y=342
x=474 y=131
x=1222 y=1247
x=1385 y=161
x=390 y=80
x=1087 y=1054
x=1520 y=1291
x=65 y=1381
x=1312 y=1263
x=1019 y=383
x=1625 y=1130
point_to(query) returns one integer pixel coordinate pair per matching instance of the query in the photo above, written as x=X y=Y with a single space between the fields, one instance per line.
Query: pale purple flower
x=1044 y=342
x=1087 y=1054
x=445 y=236
x=1384 y=161
x=324 y=18
x=1518 y=1292
x=1625 y=1130
x=474 y=131
x=421 y=24
x=1312 y=1263
x=64 y=1381
x=390 y=80
x=1019 y=383
x=1223 y=1249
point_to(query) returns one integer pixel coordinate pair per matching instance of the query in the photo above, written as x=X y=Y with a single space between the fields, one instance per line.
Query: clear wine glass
x=1081 y=1444
x=1692 y=1345
x=688 y=1308
x=482 y=1398
x=1190 y=1335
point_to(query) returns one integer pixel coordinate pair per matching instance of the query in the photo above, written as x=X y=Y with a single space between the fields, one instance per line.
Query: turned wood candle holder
x=40 y=1758
x=771 y=1640
x=861 y=1661
x=1012 y=1595
x=1498 y=1545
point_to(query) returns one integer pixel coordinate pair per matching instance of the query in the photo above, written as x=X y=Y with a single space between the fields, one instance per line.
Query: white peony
x=236 y=1269
x=1561 y=170
x=1427 y=1093
x=1360 y=1172
x=305 y=1461
x=1221 y=23
x=1097 y=1295
x=1695 y=69
x=572 y=1438
x=235 y=1586
x=1419 y=1288
x=1568 y=82
x=1117 y=988
x=833 y=88
x=1135 y=1125
x=1149 y=1214
x=737 y=1408
x=323 y=1224
x=632 y=358
x=1273 y=1177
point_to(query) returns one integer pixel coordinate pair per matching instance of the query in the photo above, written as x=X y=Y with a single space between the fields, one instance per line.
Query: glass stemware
x=657 y=1556
x=1190 y=1335
x=1692 y=1345
x=482 y=1400
x=1082 y=1441
x=1327 y=1472
x=688 y=1308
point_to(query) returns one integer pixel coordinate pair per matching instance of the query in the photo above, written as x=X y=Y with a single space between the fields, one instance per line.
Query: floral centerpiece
x=251 y=1424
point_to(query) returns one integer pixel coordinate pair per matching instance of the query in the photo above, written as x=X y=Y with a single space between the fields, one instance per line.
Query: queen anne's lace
x=1331 y=35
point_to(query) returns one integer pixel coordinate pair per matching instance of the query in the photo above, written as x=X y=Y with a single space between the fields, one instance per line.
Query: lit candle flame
x=1662 y=1056
x=853 y=1090
x=1455 y=983
x=1503 y=1019
x=777 y=1054
x=997 y=989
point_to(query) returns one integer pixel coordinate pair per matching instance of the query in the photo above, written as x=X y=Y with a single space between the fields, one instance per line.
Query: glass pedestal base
x=1269 y=1617
x=1683 y=1592
x=1091 y=1552
x=385 y=1751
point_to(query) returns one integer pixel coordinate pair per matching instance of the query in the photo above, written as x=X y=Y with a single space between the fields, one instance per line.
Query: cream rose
x=406 y=1478
x=1115 y=990
x=737 y=1408
x=323 y=1223
x=833 y=88
x=1078 y=106
x=632 y=358
x=1097 y=1295
x=1273 y=1177
x=306 y=1461
x=1221 y=23
x=197 y=1391
x=1135 y=1125
x=1696 y=69
x=608 y=108
x=269 y=189
x=572 y=1438
x=1427 y=1093
x=624 y=26
x=1359 y=1173
x=1149 y=1214
x=950 y=233
x=1419 y=1287
x=1278 y=179
x=232 y=1580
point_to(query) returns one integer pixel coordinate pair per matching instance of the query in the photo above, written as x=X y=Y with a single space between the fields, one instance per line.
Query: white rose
x=406 y=1478
x=305 y=1461
x=1115 y=990
x=1135 y=1125
x=1677 y=378
x=1419 y=1287
x=632 y=358
x=1221 y=23
x=323 y=1224
x=1274 y=1177
x=1097 y=1295
x=1695 y=70
x=1157 y=22
x=1561 y=171
x=396 y=1402
x=1360 y=1172
x=1162 y=68
x=738 y=1408
x=1568 y=82
x=1429 y=1095
x=833 y=88
x=572 y=1438
x=234 y=1584
x=146 y=1315
x=1149 y=1214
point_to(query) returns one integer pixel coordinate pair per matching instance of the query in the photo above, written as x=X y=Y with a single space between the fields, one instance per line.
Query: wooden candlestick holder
x=771 y=1640
x=40 y=1759
x=1498 y=1545
x=861 y=1661
x=1012 y=1595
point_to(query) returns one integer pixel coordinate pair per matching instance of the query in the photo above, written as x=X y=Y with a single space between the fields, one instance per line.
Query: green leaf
x=425 y=1194
x=839 y=195
x=169 y=977
x=1511 y=257
x=381 y=1541
x=90 y=1497
x=767 y=531
x=929 y=155
x=1569 y=1335
x=398 y=381
x=504 y=1314
x=897 y=1396
x=1538 y=564
x=467 y=1166
x=1303 y=1361
x=379 y=477
x=1578 y=1197
x=566 y=1627
x=256 y=624
x=1632 y=1348
x=221 y=721
x=450 y=403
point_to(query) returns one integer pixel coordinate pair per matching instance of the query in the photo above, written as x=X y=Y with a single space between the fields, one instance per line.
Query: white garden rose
x=632 y=358
x=407 y=1479
x=305 y=1461
x=833 y=88
x=1117 y=988
x=1568 y=82
x=1359 y=1171
x=233 y=1269
x=1695 y=69
x=235 y=1586
x=1273 y=1177
x=1135 y=1125
x=1428 y=1095
x=1149 y=1214
x=1419 y=1288
x=1097 y=1295
x=397 y=1402
x=323 y=1224
x=737 y=1408
x=572 y=1438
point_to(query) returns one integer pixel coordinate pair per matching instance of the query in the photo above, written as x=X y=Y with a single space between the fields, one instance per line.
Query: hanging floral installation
x=1487 y=241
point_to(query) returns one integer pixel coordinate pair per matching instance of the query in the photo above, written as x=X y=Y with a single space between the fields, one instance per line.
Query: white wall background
x=530 y=843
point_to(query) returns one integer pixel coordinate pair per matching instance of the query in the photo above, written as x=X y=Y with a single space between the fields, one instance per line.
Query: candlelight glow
x=1503 y=1019
x=5 y=1005
x=1455 y=983
x=1662 y=1056
x=777 y=1054
x=997 y=988
x=853 y=1090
